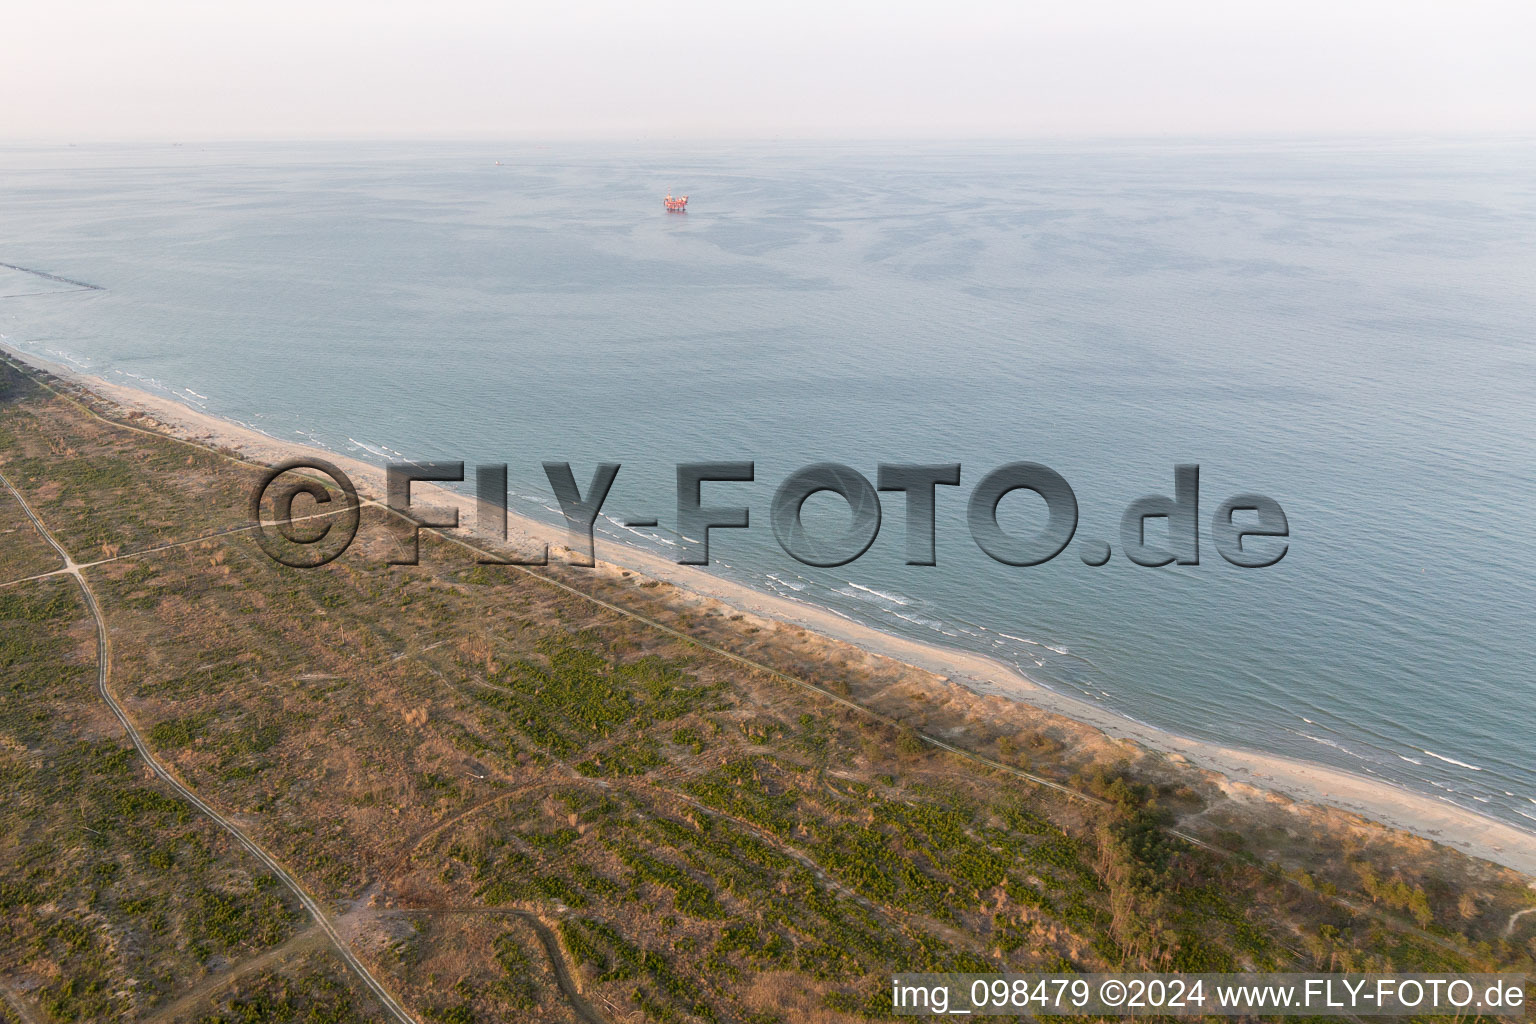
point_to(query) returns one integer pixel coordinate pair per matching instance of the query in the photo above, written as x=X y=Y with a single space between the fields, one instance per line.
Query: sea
x=1344 y=326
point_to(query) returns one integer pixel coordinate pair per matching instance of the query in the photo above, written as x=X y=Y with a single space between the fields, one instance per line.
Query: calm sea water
x=1344 y=328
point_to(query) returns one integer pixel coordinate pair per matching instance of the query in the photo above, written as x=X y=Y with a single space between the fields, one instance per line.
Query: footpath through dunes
x=103 y=683
x=201 y=998
x=711 y=813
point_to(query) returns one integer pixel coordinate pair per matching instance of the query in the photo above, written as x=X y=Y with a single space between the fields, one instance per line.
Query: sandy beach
x=1416 y=813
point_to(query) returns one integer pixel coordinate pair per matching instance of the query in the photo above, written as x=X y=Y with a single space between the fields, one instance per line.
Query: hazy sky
x=168 y=69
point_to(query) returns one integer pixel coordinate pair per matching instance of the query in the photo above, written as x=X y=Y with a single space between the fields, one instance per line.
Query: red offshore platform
x=676 y=205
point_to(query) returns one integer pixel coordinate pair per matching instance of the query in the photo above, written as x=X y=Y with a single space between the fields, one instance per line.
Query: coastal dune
x=1244 y=774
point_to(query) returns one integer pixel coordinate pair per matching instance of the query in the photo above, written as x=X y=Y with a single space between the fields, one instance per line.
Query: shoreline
x=1376 y=800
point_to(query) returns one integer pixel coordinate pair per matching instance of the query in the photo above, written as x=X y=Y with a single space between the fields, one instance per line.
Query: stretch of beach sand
x=1379 y=801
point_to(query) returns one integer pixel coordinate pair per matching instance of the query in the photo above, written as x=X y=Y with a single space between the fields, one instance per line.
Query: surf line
x=55 y=277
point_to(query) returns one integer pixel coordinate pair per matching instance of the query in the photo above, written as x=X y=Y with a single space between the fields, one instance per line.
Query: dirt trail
x=550 y=942
x=201 y=997
x=103 y=663
x=17 y=1005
